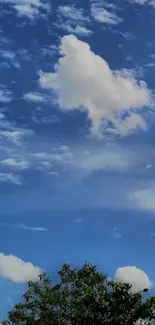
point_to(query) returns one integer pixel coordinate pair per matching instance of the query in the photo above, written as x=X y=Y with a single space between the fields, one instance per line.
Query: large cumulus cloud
x=83 y=80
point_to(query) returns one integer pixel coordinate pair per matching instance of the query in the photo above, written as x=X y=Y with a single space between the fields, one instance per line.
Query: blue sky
x=76 y=140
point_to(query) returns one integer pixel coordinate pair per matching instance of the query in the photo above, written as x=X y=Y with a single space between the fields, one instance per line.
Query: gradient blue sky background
x=77 y=138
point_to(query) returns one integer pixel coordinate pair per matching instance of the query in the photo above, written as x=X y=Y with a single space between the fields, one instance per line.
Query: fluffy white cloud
x=134 y=276
x=83 y=80
x=28 y=8
x=34 y=97
x=17 y=270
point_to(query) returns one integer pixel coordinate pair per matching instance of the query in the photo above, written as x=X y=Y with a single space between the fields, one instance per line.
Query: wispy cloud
x=102 y=15
x=25 y=227
x=144 y=198
x=49 y=51
x=16 y=136
x=99 y=159
x=77 y=30
x=73 y=20
x=150 y=65
x=73 y=14
x=15 y=163
x=24 y=54
x=11 y=57
x=4 y=65
x=78 y=220
x=116 y=234
x=128 y=35
x=144 y=2
x=51 y=119
x=7 y=54
x=10 y=178
x=48 y=162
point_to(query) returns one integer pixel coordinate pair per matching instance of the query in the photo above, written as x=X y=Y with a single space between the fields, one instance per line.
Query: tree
x=83 y=297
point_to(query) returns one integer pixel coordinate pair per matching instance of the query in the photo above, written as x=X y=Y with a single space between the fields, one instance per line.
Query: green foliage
x=83 y=297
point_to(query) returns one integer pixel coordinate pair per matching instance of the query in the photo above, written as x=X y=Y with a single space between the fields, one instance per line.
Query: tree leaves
x=83 y=297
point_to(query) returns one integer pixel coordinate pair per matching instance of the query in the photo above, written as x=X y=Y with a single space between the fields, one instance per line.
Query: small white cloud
x=77 y=30
x=129 y=36
x=15 y=163
x=102 y=15
x=10 y=178
x=5 y=95
x=54 y=173
x=78 y=220
x=34 y=97
x=26 y=10
x=116 y=234
x=16 y=65
x=7 y=54
x=73 y=14
x=50 y=50
x=11 y=57
x=24 y=54
x=83 y=80
x=25 y=227
x=134 y=276
x=149 y=166
x=129 y=58
x=150 y=65
x=17 y=270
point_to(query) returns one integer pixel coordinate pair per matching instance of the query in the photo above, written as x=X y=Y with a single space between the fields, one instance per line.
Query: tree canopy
x=83 y=296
